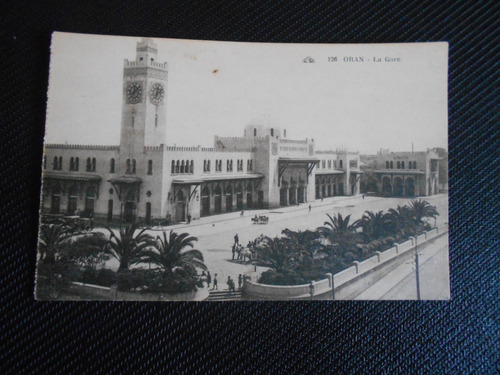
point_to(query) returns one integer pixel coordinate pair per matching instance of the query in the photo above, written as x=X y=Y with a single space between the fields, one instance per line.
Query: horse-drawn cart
x=261 y=219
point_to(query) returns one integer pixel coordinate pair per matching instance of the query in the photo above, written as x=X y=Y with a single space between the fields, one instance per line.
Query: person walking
x=234 y=250
x=189 y=218
x=215 y=283
x=309 y=208
x=240 y=281
x=236 y=239
x=209 y=279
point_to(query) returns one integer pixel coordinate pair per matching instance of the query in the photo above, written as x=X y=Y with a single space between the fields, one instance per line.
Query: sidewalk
x=248 y=214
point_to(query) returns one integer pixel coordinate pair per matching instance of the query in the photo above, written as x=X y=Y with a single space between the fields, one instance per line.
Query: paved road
x=401 y=282
x=215 y=234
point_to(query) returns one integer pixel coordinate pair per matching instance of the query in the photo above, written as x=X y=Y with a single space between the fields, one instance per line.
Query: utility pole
x=417 y=271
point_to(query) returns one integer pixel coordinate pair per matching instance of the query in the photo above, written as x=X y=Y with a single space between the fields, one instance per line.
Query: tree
x=421 y=209
x=178 y=266
x=51 y=239
x=375 y=225
x=402 y=222
x=276 y=254
x=128 y=246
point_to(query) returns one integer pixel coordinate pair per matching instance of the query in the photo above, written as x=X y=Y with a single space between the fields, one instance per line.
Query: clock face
x=134 y=92
x=156 y=93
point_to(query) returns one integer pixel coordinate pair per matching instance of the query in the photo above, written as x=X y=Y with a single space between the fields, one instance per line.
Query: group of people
x=205 y=276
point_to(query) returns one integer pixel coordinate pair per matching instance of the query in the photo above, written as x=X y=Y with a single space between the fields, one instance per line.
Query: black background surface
x=460 y=336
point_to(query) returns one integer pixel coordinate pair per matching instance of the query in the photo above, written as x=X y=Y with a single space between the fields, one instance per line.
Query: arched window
x=172 y=169
x=177 y=166
x=387 y=165
x=72 y=163
x=150 y=167
x=272 y=132
x=93 y=164
x=89 y=165
x=182 y=166
x=208 y=165
x=128 y=167
x=392 y=164
x=191 y=168
x=204 y=165
x=187 y=167
x=77 y=163
x=415 y=165
x=255 y=132
x=341 y=164
x=60 y=163
x=402 y=165
x=134 y=164
x=398 y=165
x=112 y=166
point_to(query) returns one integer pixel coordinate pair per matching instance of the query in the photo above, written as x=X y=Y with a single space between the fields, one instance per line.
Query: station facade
x=143 y=177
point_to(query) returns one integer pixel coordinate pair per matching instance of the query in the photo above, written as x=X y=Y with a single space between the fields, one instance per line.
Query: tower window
x=387 y=164
x=172 y=169
x=403 y=165
x=128 y=167
x=112 y=166
x=392 y=164
x=272 y=132
x=341 y=164
x=208 y=166
x=77 y=163
x=191 y=168
x=150 y=167
x=89 y=165
x=133 y=166
x=255 y=132
x=93 y=164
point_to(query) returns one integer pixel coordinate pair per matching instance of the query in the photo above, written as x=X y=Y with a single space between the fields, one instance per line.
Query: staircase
x=225 y=295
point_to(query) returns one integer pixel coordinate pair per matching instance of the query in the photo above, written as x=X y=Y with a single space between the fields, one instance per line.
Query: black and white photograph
x=185 y=170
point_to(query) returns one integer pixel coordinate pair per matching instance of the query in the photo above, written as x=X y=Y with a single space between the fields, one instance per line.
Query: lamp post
x=417 y=271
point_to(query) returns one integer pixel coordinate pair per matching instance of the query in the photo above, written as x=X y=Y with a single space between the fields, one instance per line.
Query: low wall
x=348 y=283
x=101 y=292
x=254 y=290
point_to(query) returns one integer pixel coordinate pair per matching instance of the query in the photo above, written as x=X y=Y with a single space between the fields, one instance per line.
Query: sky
x=216 y=88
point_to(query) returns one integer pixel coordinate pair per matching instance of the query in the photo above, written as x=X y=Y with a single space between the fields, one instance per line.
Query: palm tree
x=128 y=246
x=276 y=254
x=52 y=239
x=342 y=240
x=178 y=266
x=402 y=222
x=375 y=225
x=421 y=209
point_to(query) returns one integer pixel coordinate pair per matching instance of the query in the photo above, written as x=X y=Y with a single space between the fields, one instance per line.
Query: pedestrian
x=229 y=281
x=209 y=279
x=215 y=283
x=309 y=208
x=236 y=239
x=363 y=196
x=234 y=250
x=189 y=218
x=240 y=280
x=311 y=289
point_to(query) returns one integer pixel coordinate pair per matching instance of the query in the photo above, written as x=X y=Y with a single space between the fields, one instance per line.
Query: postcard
x=186 y=170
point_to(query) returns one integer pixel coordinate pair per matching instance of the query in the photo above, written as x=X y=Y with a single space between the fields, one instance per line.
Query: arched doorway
x=341 y=188
x=218 y=200
x=317 y=188
x=56 y=199
x=386 y=186
x=410 y=187
x=229 y=199
x=205 y=201
x=329 y=184
x=130 y=207
x=398 y=187
x=284 y=194
x=239 y=198
x=90 y=201
x=180 y=207
x=249 y=196
x=72 y=199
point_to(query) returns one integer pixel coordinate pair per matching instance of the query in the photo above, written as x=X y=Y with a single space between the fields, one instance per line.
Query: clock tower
x=144 y=101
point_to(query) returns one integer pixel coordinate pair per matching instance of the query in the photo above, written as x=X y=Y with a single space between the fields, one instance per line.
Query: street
x=215 y=233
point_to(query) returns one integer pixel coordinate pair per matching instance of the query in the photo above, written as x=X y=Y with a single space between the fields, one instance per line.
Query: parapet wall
x=349 y=283
x=81 y=147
